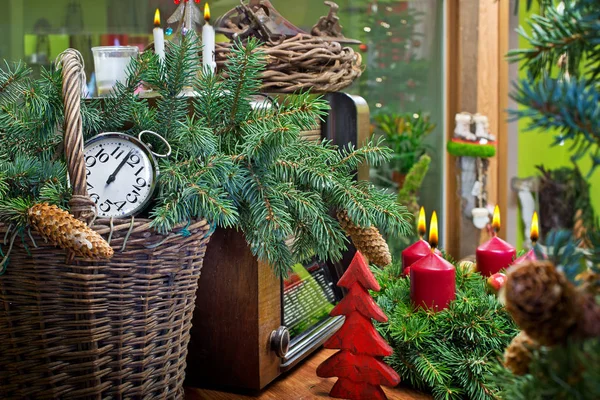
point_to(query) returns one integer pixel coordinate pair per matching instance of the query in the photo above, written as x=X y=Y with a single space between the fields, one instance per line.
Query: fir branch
x=182 y=64
x=56 y=192
x=315 y=225
x=244 y=68
x=13 y=80
x=210 y=203
x=572 y=107
x=4 y=186
x=434 y=373
x=195 y=139
x=209 y=105
x=301 y=110
x=266 y=206
x=264 y=143
x=29 y=123
x=386 y=213
x=14 y=211
x=372 y=152
x=570 y=33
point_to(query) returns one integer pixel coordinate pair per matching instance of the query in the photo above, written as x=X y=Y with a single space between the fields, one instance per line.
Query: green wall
x=535 y=146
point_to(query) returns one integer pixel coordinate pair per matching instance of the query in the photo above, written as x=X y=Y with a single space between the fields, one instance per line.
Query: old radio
x=249 y=326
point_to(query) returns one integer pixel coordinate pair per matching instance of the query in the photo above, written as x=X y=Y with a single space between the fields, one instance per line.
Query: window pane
x=402 y=50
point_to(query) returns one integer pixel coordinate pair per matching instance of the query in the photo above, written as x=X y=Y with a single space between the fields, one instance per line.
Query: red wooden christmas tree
x=358 y=365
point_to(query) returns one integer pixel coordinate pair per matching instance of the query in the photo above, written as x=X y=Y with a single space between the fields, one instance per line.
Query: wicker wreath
x=303 y=63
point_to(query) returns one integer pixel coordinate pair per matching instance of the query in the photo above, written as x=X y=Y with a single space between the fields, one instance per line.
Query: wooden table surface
x=302 y=383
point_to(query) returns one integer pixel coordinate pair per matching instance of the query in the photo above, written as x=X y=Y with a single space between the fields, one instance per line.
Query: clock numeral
x=90 y=161
x=135 y=193
x=118 y=155
x=139 y=183
x=139 y=170
x=134 y=159
x=88 y=173
x=102 y=156
x=104 y=207
x=107 y=205
x=120 y=205
x=95 y=197
x=132 y=197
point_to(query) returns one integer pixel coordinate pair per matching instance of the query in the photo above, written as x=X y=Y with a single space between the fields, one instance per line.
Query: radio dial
x=280 y=341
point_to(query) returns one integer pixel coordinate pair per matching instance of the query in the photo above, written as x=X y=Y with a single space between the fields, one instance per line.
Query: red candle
x=420 y=248
x=415 y=252
x=534 y=236
x=495 y=254
x=432 y=279
x=529 y=256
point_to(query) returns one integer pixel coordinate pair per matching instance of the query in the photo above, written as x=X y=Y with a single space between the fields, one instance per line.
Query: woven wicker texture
x=98 y=330
x=303 y=63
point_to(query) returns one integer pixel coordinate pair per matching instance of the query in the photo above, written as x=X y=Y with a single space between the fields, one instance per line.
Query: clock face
x=120 y=175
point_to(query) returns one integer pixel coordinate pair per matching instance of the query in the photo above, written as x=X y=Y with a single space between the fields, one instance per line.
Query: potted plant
x=405 y=134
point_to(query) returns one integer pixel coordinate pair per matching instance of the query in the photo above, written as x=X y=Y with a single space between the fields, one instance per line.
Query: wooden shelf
x=302 y=383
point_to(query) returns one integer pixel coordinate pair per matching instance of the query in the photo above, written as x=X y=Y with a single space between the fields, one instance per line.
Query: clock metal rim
x=144 y=149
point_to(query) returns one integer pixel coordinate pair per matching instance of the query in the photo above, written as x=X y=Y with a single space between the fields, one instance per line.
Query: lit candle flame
x=433 y=231
x=206 y=12
x=535 y=228
x=157 y=18
x=496 y=220
x=422 y=225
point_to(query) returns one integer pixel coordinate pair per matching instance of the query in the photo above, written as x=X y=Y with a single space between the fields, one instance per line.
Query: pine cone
x=367 y=240
x=62 y=229
x=542 y=302
x=517 y=355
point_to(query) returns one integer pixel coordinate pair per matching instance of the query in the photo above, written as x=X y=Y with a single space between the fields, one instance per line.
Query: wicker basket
x=96 y=330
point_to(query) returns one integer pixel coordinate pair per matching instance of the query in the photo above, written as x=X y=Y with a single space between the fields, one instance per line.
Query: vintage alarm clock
x=121 y=172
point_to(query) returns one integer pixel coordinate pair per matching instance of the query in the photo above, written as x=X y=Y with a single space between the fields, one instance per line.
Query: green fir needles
x=449 y=353
x=561 y=92
x=235 y=164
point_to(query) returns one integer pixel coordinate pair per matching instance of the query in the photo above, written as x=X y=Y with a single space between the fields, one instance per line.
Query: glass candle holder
x=111 y=64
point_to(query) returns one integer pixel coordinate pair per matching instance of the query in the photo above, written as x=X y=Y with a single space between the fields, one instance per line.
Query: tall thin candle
x=208 y=43
x=159 y=37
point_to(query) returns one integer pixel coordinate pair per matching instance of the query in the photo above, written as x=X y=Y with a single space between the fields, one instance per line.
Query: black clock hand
x=113 y=176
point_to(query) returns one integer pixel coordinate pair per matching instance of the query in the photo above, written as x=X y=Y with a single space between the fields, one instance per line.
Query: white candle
x=208 y=43
x=159 y=37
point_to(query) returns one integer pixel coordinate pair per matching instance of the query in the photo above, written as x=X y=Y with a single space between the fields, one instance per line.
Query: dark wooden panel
x=223 y=349
x=269 y=319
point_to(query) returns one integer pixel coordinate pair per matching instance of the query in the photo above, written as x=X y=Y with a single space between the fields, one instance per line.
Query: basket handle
x=81 y=205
